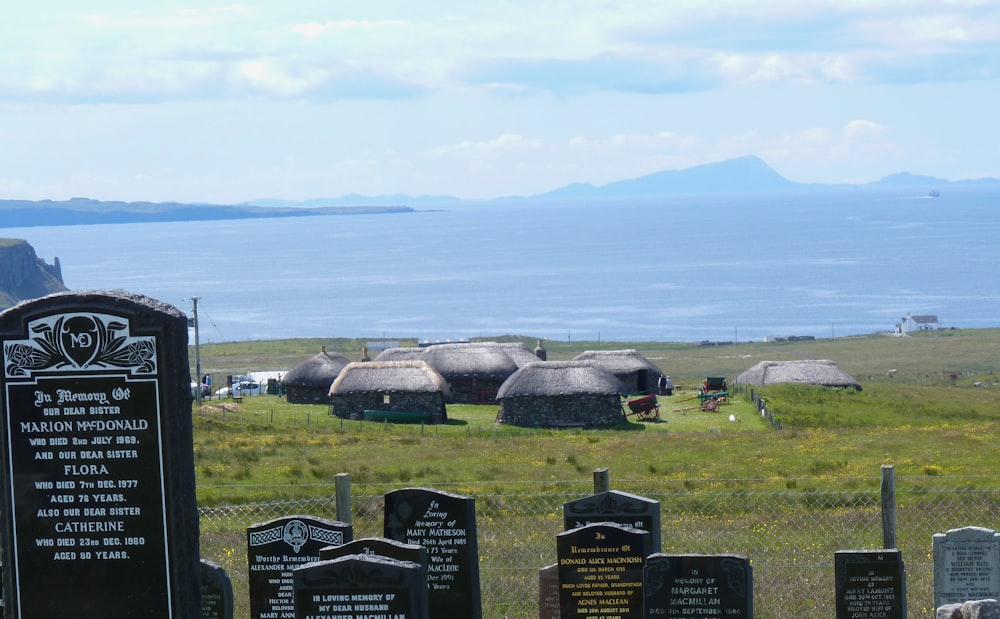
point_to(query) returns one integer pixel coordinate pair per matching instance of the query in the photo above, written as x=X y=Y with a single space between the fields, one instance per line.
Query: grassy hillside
x=943 y=394
x=787 y=498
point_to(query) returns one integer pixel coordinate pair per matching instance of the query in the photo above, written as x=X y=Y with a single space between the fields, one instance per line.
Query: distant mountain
x=733 y=176
x=740 y=175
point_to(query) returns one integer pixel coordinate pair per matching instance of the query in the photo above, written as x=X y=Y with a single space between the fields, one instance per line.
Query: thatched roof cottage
x=637 y=373
x=309 y=382
x=519 y=353
x=554 y=394
x=401 y=353
x=808 y=371
x=397 y=386
x=474 y=371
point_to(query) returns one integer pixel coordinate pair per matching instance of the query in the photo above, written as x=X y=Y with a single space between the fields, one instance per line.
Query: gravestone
x=692 y=585
x=100 y=517
x=613 y=506
x=216 y=592
x=548 y=592
x=275 y=548
x=361 y=587
x=445 y=524
x=600 y=571
x=870 y=584
x=966 y=565
x=379 y=546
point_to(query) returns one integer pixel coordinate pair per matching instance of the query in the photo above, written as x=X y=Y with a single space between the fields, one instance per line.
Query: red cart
x=645 y=408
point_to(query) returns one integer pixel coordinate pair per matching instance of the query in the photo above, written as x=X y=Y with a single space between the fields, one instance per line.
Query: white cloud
x=483 y=99
x=439 y=47
x=271 y=77
x=313 y=30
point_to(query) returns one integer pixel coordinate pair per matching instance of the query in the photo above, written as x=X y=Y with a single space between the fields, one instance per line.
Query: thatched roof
x=319 y=371
x=809 y=371
x=487 y=361
x=619 y=362
x=552 y=378
x=401 y=353
x=518 y=352
x=389 y=377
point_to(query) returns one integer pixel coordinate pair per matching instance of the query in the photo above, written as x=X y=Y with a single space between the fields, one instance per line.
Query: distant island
x=741 y=175
x=79 y=211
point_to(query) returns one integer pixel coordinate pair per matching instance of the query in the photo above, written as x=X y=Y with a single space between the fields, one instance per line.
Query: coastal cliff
x=23 y=275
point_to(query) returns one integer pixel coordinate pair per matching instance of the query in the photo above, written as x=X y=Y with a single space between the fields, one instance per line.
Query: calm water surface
x=828 y=263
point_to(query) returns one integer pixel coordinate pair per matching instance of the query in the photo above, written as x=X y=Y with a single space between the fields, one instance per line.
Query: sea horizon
x=672 y=269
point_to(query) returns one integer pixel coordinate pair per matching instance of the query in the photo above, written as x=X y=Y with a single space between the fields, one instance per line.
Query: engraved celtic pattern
x=79 y=341
x=267 y=536
x=328 y=536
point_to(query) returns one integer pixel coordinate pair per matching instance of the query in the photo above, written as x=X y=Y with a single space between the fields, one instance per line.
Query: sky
x=225 y=103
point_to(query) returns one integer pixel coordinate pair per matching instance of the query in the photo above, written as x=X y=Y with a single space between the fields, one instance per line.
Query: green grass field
x=945 y=392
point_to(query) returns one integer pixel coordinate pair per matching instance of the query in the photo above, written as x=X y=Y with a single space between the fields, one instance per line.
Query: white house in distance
x=911 y=323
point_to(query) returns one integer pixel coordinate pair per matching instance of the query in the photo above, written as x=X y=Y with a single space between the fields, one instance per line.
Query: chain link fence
x=789 y=529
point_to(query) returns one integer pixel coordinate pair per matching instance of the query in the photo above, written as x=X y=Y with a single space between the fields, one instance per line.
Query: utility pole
x=197 y=352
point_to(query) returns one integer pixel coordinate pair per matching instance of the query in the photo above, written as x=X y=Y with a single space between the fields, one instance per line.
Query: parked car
x=245 y=387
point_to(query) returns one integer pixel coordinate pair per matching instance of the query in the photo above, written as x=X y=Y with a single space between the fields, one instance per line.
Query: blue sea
x=822 y=263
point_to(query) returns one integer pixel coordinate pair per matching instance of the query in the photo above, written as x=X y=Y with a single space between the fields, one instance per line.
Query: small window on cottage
x=386 y=399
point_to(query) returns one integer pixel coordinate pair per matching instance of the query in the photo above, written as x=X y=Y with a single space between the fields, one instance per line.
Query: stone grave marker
x=870 y=584
x=600 y=571
x=98 y=498
x=693 y=585
x=548 y=592
x=613 y=506
x=275 y=548
x=966 y=565
x=361 y=587
x=216 y=592
x=445 y=524
x=377 y=546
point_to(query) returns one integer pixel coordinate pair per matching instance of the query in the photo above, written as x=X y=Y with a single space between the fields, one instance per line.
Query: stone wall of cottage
x=353 y=405
x=473 y=390
x=567 y=411
x=297 y=394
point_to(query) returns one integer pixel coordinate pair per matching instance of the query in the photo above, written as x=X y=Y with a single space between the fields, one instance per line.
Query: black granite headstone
x=275 y=548
x=360 y=587
x=698 y=586
x=216 y=592
x=613 y=506
x=445 y=524
x=99 y=509
x=548 y=592
x=600 y=571
x=377 y=546
x=871 y=584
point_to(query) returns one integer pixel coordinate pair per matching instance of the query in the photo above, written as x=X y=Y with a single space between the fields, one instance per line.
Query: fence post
x=888 y=506
x=602 y=482
x=343 y=490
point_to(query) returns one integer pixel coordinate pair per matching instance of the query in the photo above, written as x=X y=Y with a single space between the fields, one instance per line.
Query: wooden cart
x=645 y=408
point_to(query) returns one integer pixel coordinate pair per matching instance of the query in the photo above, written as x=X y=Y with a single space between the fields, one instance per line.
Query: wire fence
x=789 y=530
